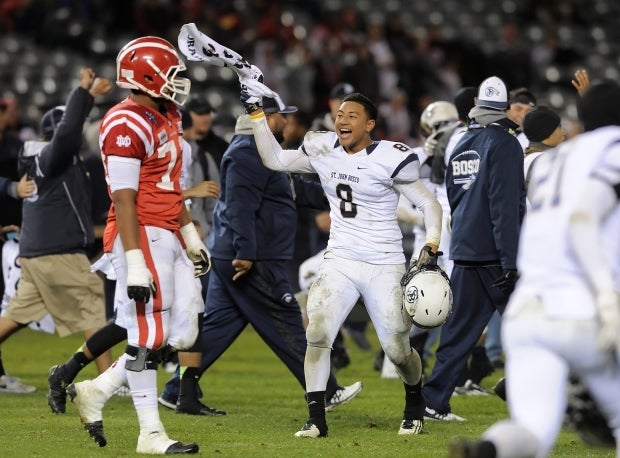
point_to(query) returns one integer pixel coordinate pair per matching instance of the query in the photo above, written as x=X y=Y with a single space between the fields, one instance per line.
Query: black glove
x=427 y=257
x=506 y=282
x=140 y=293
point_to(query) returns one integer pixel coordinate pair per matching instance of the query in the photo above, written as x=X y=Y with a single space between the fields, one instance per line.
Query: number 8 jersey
x=135 y=131
x=361 y=195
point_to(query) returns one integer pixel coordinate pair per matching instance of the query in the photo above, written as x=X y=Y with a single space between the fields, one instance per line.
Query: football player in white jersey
x=362 y=180
x=564 y=315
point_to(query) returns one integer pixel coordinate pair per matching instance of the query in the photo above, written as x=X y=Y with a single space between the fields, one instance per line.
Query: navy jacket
x=486 y=192
x=255 y=217
x=57 y=220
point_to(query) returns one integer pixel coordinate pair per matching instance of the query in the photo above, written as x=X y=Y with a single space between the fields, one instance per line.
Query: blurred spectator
x=202 y=113
x=520 y=102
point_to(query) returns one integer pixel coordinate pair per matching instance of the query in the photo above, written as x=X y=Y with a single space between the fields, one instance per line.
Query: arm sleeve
x=596 y=201
x=246 y=180
x=123 y=173
x=272 y=154
x=67 y=139
x=421 y=197
x=506 y=199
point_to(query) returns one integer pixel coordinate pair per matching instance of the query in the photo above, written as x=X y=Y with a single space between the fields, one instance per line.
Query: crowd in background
x=402 y=55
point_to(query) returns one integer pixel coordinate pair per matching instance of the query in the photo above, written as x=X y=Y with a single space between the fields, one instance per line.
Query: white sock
x=143 y=386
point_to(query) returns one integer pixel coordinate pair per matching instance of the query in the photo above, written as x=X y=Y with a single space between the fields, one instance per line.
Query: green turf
x=265 y=408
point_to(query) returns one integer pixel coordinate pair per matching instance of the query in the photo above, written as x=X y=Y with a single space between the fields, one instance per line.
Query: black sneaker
x=343 y=395
x=500 y=388
x=198 y=408
x=462 y=448
x=57 y=394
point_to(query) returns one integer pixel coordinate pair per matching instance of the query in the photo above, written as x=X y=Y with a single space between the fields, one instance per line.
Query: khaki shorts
x=64 y=286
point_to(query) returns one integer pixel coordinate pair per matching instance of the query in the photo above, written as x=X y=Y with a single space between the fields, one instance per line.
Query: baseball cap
x=340 y=90
x=522 y=95
x=492 y=93
x=199 y=105
x=539 y=123
x=270 y=106
x=50 y=120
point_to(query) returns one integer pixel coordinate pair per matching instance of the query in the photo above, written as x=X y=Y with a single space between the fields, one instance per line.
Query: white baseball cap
x=492 y=93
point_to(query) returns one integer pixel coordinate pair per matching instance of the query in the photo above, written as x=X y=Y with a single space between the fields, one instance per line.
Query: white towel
x=197 y=46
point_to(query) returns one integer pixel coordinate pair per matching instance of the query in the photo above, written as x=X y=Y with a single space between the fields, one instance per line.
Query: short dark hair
x=599 y=105
x=369 y=107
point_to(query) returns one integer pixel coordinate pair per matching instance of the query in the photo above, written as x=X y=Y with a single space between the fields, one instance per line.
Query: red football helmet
x=151 y=64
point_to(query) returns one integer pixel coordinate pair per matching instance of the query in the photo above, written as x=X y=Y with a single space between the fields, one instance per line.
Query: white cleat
x=408 y=427
x=310 y=430
x=158 y=443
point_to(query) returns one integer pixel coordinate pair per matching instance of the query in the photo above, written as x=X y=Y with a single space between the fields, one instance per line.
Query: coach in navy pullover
x=486 y=192
x=485 y=188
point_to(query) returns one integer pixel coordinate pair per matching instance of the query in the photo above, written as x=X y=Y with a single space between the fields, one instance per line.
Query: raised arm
x=271 y=153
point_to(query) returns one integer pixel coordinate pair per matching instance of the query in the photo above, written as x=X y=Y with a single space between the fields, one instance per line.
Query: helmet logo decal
x=412 y=294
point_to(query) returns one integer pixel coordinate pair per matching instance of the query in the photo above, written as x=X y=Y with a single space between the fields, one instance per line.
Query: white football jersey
x=546 y=260
x=361 y=195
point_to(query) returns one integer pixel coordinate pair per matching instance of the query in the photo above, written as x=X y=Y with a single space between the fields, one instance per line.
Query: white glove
x=250 y=94
x=196 y=250
x=430 y=144
x=140 y=281
x=608 y=306
x=197 y=46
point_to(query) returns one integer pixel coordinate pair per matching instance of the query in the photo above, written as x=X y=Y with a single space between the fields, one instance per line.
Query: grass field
x=265 y=407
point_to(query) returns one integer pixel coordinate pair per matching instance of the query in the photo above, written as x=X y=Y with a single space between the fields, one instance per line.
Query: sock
x=74 y=365
x=414 y=402
x=143 y=386
x=188 y=391
x=2 y=372
x=316 y=406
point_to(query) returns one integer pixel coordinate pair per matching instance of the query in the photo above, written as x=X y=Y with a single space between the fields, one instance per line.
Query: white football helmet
x=436 y=114
x=427 y=296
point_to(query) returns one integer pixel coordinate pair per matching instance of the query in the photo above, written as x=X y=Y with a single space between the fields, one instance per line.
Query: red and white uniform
x=133 y=132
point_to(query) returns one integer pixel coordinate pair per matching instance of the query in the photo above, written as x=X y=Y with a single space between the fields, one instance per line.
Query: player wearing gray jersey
x=362 y=180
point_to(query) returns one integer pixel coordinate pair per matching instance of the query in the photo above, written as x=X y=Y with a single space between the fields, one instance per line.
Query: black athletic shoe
x=198 y=408
x=500 y=388
x=179 y=448
x=462 y=448
x=57 y=394
x=95 y=430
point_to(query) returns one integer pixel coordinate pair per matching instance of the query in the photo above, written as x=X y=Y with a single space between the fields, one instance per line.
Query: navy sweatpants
x=474 y=301
x=262 y=298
